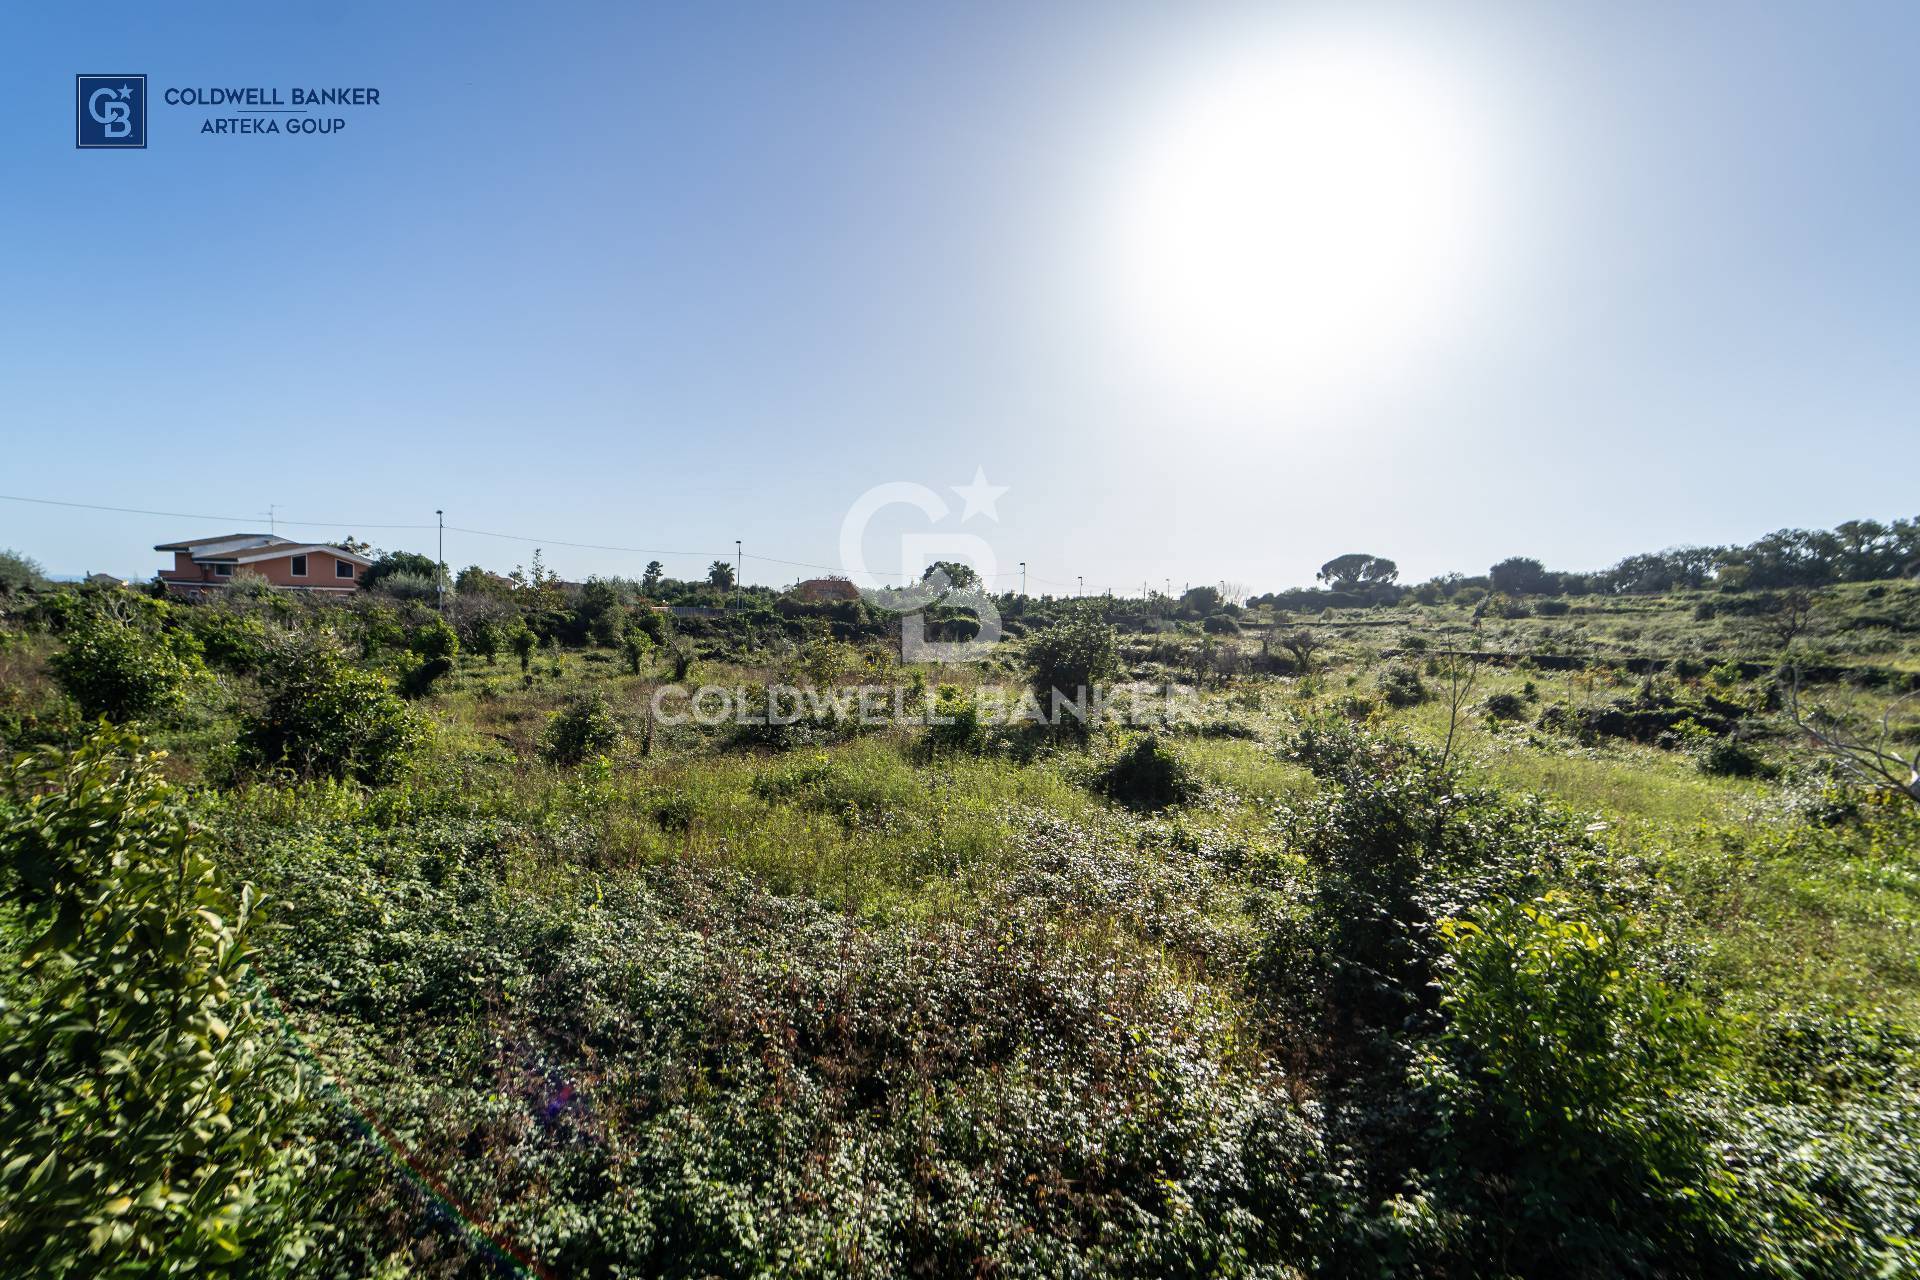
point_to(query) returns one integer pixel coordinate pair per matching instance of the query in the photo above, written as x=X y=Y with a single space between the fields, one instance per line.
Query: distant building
x=104 y=580
x=817 y=590
x=201 y=565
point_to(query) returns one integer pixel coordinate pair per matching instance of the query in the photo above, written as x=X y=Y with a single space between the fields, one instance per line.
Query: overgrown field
x=1471 y=938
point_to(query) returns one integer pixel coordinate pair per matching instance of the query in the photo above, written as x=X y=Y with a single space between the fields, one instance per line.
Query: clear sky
x=1215 y=291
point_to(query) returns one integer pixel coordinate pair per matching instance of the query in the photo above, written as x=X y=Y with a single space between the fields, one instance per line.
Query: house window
x=299 y=566
x=223 y=571
x=342 y=569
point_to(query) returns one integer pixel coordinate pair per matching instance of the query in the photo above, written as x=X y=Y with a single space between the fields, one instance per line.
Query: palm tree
x=720 y=574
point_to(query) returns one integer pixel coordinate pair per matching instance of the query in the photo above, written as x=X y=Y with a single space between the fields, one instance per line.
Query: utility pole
x=440 y=564
x=1169 y=588
x=1023 y=579
x=739 y=567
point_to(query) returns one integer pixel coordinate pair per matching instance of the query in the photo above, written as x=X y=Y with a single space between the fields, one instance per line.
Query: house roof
x=295 y=549
x=248 y=548
x=236 y=539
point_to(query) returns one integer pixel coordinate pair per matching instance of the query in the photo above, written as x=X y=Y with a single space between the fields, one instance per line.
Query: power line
x=350 y=525
x=201 y=515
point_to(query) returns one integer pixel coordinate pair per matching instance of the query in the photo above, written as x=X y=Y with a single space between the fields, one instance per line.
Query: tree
x=1357 y=571
x=20 y=574
x=1522 y=576
x=960 y=577
x=475 y=581
x=1198 y=602
x=1787 y=618
x=601 y=610
x=1301 y=645
x=1869 y=550
x=720 y=574
x=651 y=578
x=537 y=589
x=400 y=562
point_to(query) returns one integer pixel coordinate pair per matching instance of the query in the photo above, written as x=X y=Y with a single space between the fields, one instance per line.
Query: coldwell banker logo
x=112 y=112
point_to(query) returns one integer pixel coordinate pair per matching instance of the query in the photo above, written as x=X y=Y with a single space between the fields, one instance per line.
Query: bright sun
x=1300 y=216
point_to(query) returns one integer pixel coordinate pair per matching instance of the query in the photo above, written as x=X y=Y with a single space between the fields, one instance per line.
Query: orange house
x=201 y=565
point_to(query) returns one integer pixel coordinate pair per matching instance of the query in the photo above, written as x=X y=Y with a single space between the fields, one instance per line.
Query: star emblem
x=979 y=497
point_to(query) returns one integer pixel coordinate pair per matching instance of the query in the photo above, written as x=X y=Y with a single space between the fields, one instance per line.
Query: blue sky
x=664 y=278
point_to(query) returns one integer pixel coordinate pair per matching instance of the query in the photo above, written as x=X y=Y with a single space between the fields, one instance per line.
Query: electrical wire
x=508 y=537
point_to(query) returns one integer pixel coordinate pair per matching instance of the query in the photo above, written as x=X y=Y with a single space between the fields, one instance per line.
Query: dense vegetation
x=1519 y=930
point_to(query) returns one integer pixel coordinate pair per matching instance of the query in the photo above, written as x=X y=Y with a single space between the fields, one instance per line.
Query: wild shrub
x=657 y=625
x=600 y=612
x=434 y=640
x=431 y=648
x=1510 y=1069
x=20 y=575
x=1400 y=686
x=584 y=728
x=1729 y=756
x=1147 y=777
x=486 y=638
x=230 y=639
x=635 y=647
x=956 y=724
x=1220 y=624
x=781 y=719
x=523 y=641
x=1356 y=950
x=1557 y=1085
x=1504 y=706
x=1066 y=661
x=607 y=628
x=145 y=1107
x=318 y=716
x=124 y=670
x=406 y=585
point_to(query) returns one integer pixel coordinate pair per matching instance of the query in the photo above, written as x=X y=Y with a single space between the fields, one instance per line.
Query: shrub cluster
x=146 y=1107
x=584 y=728
x=317 y=716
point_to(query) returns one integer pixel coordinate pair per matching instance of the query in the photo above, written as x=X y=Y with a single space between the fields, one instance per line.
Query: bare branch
x=1874 y=763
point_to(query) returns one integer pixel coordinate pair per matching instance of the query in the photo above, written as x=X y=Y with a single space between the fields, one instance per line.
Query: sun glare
x=1299 y=216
